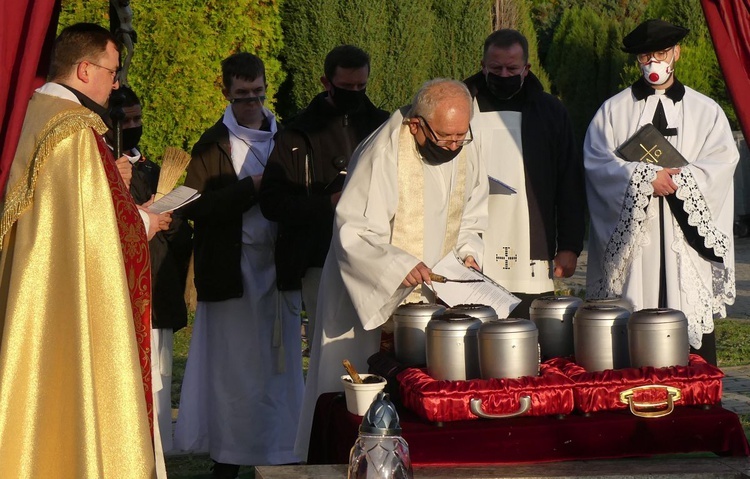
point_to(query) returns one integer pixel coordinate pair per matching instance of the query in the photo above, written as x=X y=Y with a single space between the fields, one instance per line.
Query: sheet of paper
x=500 y=187
x=487 y=293
x=176 y=198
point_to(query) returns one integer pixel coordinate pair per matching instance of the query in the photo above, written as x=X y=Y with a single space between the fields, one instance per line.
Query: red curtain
x=729 y=24
x=27 y=30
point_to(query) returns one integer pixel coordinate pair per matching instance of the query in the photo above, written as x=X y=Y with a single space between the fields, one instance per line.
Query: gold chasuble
x=74 y=307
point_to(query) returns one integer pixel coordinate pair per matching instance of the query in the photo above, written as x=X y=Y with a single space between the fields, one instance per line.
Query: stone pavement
x=736 y=394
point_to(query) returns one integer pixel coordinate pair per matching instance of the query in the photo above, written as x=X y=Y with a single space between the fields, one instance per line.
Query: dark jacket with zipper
x=217 y=215
x=303 y=171
x=553 y=166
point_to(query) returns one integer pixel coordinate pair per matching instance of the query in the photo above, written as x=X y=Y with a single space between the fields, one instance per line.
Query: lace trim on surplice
x=629 y=234
x=705 y=302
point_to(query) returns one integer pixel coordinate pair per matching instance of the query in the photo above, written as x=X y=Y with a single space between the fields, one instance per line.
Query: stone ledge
x=672 y=467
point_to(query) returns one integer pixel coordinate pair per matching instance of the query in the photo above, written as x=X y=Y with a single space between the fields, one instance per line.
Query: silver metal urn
x=508 y=348
x=553 y=316
x=480 y=311
x=410 y=323
x=600 y=337
x=658 y=337
x=451 y=347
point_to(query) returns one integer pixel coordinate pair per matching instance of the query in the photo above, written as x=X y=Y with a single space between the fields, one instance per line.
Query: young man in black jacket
x=305 y=173
x=243 y=384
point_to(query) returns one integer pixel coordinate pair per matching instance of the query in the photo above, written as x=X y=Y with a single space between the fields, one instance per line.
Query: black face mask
x=348 y=100
x=131 y=137
x=435 y=155
x=504 y=88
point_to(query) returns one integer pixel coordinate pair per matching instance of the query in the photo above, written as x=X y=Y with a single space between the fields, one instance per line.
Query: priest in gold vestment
x=74 y=285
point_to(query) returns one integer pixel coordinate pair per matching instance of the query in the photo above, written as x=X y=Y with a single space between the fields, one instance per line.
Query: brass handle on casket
x=524 y=404
x=642 y=409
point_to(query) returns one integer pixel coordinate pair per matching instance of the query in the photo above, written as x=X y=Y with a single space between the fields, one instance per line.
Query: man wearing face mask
x=416 y=192
x=526 y=141
x=170 y=252
x=305 y=173
x=662 y=237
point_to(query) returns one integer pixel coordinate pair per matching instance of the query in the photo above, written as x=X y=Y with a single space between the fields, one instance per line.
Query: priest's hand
x=565 y=264
x=419 y=274
x=158 y=223
x=663 y=184
x=125 y=168
x=470 y=262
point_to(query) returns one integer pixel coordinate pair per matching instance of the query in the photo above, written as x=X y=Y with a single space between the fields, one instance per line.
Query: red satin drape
x=27 y=30
x=729 y=24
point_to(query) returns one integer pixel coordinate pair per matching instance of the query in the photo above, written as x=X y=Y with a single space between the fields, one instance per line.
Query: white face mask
x=657 y=73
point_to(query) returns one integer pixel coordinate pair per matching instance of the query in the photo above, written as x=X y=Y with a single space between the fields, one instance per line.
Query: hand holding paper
x=178 y=197
x=469 y=286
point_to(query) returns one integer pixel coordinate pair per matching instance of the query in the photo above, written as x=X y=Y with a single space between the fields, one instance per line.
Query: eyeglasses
x=659 y=56
x=115 y=73
x=444 y=142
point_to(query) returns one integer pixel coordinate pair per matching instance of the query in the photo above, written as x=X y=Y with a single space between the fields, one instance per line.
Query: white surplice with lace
x=624 y=239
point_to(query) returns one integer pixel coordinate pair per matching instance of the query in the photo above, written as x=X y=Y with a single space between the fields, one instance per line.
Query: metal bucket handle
x=641 y=409
x=524 y=404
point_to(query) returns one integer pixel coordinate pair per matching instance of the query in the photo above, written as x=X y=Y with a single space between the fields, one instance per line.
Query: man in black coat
x=305 y=174
x=537 y=199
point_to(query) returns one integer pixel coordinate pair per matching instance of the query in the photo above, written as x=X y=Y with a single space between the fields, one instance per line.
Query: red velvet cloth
x=27 y=30
x=698 y=382
x=551 y=393
x=137 y=261
x=729 y=24
x=601 y=435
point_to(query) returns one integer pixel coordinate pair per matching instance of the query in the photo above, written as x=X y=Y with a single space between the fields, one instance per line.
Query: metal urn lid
x=613 y=315
x=453 y=323
x=381 y=418
x=556 y=303
x=652 y=316
x=479 y=311
x=418 y=310
x=615 y=301
x=517 y=327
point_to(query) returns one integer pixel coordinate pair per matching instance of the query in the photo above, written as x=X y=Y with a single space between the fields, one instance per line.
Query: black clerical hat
x=652 y=36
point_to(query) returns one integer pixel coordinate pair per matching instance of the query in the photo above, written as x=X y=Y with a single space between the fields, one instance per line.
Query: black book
x=648 y=145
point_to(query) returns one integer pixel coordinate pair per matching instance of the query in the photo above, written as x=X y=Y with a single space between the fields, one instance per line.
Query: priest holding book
x=661 y=236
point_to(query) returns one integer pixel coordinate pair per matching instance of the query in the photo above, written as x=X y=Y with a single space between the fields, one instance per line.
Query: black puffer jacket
x=302 y=173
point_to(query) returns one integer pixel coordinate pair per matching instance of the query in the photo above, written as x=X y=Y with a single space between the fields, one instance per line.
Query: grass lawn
x=732 y=343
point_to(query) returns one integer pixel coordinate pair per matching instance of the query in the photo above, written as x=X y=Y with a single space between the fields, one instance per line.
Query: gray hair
x=432 y=92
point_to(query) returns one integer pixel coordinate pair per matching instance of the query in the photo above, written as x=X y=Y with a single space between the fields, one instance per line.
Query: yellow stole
x=408 y=224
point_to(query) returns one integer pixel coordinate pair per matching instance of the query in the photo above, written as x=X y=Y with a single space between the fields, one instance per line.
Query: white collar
x=249 y=135
x=57 y=90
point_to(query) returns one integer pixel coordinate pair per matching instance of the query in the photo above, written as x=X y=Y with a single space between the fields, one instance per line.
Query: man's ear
x=225 y=92
x=413 y=125
x=326 y=83
x=82 y=72
x=676 y=52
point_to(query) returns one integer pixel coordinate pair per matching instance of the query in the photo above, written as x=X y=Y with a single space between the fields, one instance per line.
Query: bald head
x=443 y=94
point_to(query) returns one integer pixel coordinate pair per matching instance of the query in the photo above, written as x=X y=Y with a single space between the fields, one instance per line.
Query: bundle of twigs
x=173 y=166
